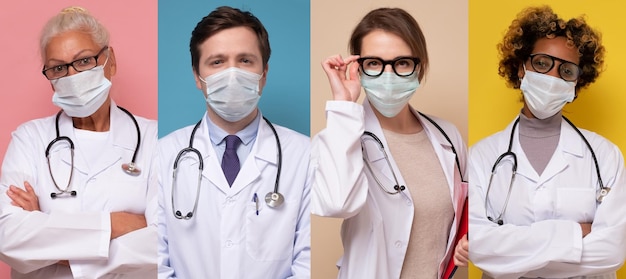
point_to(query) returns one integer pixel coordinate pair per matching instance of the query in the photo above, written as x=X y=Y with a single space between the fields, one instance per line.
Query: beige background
x=444 y=93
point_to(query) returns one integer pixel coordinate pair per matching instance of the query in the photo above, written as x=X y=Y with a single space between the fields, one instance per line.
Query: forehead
x=557 y=47
x=66 y=45
x=385 y=45
x=231 y=41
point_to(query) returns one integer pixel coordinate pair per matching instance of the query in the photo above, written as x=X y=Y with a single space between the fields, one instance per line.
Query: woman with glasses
x=393 y=174
x=546 y=198
x=75 y=187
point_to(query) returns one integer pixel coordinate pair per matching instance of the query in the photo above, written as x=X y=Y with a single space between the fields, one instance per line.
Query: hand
x=344 y=86
x=586 y=228
x=461 y=252
x=27 y=200
x=124 y=222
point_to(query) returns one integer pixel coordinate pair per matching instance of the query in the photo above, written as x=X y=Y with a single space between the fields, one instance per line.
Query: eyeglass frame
x=415 y=60
x=67 y=69
x=563 y=62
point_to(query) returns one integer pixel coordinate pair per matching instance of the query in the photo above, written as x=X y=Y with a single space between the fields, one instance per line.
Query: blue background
x=285 y=100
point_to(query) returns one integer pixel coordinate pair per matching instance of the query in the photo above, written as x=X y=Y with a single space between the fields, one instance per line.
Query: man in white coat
x=237 y=205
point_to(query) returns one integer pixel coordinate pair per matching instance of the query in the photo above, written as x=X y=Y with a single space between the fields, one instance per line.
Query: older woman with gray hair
x=76 y=188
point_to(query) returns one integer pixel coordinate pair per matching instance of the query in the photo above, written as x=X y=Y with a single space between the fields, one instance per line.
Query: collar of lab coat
x=263 y=152
x=440 y=144
x=123 y=136
x=569 y=142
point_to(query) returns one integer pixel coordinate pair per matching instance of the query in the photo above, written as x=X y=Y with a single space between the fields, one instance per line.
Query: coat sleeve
x=165 y=271
x=339 y=181
x=604 y=248
x=33 y=240
x=510 y=251
x=134 y=253
x=301 y=265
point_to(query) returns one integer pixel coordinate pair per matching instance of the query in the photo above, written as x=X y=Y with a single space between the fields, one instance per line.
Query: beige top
x=425 y=180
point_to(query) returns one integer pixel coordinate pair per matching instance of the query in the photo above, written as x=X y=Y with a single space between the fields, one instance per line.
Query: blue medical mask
x=389 y=93
x=546 y=95
x=232 y=93
x=81 y=94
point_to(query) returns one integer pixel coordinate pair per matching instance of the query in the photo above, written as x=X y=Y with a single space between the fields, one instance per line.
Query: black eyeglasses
x=543 y=63
x=80 y=65
x=402 y=66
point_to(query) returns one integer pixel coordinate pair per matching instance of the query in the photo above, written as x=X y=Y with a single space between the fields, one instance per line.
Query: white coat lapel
x=376 y=156
x=442 y=148
x=569 y=142
x=212 y=168
x=264 y=153
x=123 y=138
x=66 y=128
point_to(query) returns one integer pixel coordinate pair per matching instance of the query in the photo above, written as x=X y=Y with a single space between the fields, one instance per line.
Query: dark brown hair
x=224 y=18
x=398 y=22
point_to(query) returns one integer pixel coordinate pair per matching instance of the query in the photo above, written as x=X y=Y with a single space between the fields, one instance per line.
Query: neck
x=99 y=121
x=403 y=123
x=231 y=127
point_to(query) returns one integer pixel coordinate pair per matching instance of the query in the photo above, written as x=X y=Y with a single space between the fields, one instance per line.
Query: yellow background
x=492 y=105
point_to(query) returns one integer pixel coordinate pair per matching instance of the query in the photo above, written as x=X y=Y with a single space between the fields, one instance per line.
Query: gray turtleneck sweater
x=539 y=138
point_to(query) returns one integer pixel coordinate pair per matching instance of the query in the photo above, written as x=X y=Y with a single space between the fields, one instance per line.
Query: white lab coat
x=78 y=228
x=541 y=236
x=377 y=226
x=226 y=238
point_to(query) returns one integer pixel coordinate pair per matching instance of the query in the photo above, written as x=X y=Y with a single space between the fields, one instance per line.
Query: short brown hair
x=396 y=21
x=224 y=18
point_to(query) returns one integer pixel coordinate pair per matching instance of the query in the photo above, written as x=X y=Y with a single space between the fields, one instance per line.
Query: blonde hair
x=73 y=19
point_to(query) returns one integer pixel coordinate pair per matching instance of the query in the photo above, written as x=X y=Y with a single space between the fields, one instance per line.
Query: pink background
x=26 y=94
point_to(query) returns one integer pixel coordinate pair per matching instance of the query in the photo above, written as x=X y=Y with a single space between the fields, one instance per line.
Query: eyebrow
x=238 y=55
x=80 y=53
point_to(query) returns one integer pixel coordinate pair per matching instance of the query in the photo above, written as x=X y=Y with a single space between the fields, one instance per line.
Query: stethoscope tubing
x=272 y=199
x=498 y=220
x=59 y=138
x=400 y=188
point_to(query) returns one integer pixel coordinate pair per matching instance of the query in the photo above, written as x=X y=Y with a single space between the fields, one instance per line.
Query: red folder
x=451 y=268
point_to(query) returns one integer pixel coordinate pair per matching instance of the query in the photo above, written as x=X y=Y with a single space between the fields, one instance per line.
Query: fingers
x=26 y=199
x=337 y=66
x=461 y=252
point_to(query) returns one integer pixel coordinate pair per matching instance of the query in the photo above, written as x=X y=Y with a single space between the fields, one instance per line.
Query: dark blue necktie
x=230 y=161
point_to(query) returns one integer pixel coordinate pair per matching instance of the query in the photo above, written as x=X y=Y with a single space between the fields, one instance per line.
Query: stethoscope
x=129 y=168
x=498 y=220
x=397 y=188
x=272 y=199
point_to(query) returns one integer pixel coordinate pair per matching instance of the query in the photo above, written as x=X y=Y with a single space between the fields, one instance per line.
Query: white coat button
x=398 y=244
x=229 y=243
x=409 y=202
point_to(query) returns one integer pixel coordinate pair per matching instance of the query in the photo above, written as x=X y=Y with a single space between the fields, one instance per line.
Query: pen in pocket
x=255 y=199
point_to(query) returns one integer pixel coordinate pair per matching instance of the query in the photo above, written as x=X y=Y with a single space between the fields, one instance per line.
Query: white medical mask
x=232 y=93
x=81 y=94
x=546 y=95
x=389 y=93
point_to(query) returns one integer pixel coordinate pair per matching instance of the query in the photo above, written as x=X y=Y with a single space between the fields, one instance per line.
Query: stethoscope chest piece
x=274 y=199
x=603 y=192
x=131 y=168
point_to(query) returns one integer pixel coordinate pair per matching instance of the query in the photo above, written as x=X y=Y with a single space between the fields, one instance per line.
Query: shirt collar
x=247 y=134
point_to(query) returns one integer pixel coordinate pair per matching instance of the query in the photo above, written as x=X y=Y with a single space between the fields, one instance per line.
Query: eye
x=372 y=63
x=216 y=62
x=246 y=61
x=59 y=68
x=85 y=61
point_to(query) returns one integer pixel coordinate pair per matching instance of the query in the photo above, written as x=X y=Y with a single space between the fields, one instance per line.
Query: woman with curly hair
x=544 y=195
